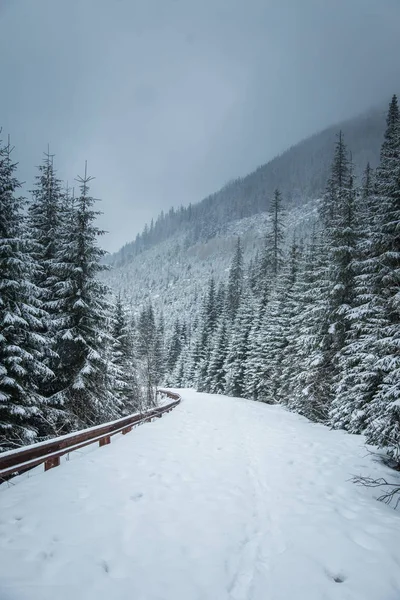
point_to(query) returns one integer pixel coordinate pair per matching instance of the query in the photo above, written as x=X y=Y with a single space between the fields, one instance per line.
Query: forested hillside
x=300 y=173
x=297 y=305
x=315 y=327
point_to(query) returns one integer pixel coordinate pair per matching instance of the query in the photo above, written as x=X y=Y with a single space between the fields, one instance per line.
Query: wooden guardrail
x=49 y=452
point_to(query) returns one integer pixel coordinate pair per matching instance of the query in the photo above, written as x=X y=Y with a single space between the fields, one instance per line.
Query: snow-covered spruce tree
x=22 y=321
x=191 y=355
x=292 y=353
x=359 y=375
x=178 y=378
x=384 y=410
x=162 y=349
x=216 y=373
x=270 y=347
x=81 y=299
x=203 y=341
x=237 y=355
x=254 y=364
x=308 y=394
x=220 y=300
x=175 y=346
x=289 y=310
x=44 y=223
x=343 y=300
x=335 y=259
x=261 y=366
x=235 y=283
x=122 y=366
x=180 y=340
x=268 y=264
x=44 y=227
x=149 y=353
x=275 y=237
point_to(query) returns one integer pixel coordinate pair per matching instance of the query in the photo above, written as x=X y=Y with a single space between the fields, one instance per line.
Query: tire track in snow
x=262 y=532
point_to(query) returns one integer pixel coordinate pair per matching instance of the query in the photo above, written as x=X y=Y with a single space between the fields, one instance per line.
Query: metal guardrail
x=49 y=452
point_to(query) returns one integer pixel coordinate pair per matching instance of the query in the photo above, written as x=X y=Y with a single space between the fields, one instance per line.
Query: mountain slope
x=300 y=173
x=173 y=274
x=222 y=499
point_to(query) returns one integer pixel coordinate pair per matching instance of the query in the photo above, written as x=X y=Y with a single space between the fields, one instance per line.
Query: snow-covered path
x=220 y=499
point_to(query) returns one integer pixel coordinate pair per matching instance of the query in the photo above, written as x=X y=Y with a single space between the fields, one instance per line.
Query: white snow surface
x=220 y=499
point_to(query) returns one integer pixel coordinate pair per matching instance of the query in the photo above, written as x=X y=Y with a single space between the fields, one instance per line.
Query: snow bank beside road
x=220 y=499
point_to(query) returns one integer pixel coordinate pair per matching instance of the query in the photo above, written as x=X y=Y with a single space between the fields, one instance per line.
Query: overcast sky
x=169 y=99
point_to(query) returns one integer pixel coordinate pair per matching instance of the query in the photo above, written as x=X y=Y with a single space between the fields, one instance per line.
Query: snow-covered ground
x=220 y=499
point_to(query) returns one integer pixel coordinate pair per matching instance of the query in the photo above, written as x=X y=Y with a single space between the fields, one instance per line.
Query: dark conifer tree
x=384 y=413
x=275 y=238
x=122 y=367
x=235 y=283
x=22 y=321
x=82 y=301
x=149 y=352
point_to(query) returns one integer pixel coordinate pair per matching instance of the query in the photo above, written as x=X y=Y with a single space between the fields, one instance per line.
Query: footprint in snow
x=136 y=497
x=336 y=577
x=105 y=566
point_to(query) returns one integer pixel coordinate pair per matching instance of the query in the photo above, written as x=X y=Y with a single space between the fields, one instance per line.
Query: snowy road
x=222 y=499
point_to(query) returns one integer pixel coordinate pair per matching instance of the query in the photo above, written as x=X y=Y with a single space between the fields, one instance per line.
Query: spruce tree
x=237 y=354
x=270 y=348
x=216 y=372
x=81 y=299
x=44 y=228
x=122 y=368
x=175 y=346
x=289 y=310
x=384 y=413
x=149 y=353
x=337 y=214
x=254 y=361
x=203 y=342
x=22 y=321
x=310 y=383
x=359 y=375
x=275 y=238
x=235 y=283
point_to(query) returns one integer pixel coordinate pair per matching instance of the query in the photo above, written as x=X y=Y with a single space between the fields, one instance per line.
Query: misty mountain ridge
x=301 y=173
x=174 y=274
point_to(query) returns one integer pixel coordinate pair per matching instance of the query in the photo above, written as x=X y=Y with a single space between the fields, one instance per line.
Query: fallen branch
x=388 y=496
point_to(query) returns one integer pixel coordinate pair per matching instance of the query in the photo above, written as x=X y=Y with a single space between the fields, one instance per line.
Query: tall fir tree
x=121 y=366
x=216 y=372
x=82 y=301
x=235 y=282
x=22 y=321
x=275 y=237
x=309 y=381
x=44 y=227
x=149 y=353
x=384 y=412
x=359 y=375
x=238 y=349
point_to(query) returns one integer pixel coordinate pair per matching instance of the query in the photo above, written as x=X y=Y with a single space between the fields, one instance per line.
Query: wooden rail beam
x=49 y=452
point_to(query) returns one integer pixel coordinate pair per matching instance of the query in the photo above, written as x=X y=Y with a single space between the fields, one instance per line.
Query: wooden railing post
x=50 y=463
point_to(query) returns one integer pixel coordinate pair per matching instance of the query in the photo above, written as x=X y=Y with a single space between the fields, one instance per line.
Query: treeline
x=317 y=328
x=70 y=355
